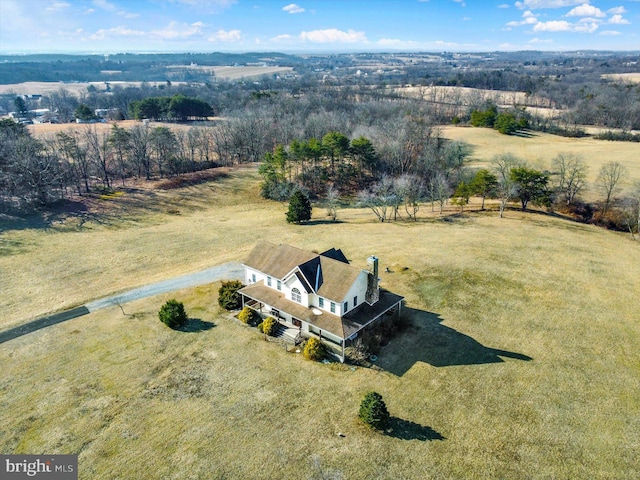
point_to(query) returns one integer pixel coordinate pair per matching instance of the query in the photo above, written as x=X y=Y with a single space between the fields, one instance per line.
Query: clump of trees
x=176 y=108
x=173 y=314
x=507 y=123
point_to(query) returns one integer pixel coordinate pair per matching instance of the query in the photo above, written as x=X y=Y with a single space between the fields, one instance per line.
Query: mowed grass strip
x=520 y=355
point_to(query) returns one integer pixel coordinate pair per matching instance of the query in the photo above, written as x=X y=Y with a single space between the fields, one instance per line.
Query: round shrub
x=228 y=296
x=269 y=326
x=313 y=350
x=248 y=316
x=173 y=314
x=373 y=411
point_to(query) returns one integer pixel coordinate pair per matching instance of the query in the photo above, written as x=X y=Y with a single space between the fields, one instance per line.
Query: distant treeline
x=122 y=67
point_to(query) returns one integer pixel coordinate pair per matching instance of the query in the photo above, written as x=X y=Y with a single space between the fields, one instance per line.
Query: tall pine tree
x=299 y=208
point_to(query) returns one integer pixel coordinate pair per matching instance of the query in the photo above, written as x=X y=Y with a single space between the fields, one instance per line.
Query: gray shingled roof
x=333 y=280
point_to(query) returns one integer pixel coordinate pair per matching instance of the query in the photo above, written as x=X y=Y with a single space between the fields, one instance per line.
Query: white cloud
x=226 y=36
x=461 y=2
x=618 y=20
x=552 y=26
x=293 y=8
x=617 y=10
x=104 y=5
x=503 y=5
x=586 y=10
x=176 y=31
x=540 y=40
x=285 y=37
x=587 y=27
x=124 y=14
x=466 y=19
x=109 y=33
x=609 y=33
x=58 y=6
x=538 y=4
x=333 y=35
x=528 y=19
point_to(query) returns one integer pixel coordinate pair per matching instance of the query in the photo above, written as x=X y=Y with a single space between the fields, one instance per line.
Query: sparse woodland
x=356 y=137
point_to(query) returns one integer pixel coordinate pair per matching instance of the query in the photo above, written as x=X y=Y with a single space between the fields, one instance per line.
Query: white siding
x=359 y=289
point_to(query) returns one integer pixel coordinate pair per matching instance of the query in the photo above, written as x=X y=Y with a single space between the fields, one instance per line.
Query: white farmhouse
x=318 y=295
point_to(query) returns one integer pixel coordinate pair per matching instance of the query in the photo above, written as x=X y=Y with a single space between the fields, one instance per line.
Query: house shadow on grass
x=196 y=325
x=408 y=430
x=426 y=340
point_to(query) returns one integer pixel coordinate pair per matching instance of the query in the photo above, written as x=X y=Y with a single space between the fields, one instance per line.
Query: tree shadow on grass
x=408 y=430
x=321 y=222
x=196 y=325
x=427 y=340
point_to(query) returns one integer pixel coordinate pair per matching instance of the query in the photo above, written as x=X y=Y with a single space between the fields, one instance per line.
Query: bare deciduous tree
x=571 y=171
x=609 y=180
x=502 y=165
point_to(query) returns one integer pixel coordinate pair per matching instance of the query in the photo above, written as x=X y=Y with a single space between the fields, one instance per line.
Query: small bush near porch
x=268 y=326
x=248 y=316
x=314 y=350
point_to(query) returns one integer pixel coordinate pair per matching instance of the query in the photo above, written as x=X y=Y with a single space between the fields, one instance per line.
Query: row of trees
x=510 y=179
x=37 y=172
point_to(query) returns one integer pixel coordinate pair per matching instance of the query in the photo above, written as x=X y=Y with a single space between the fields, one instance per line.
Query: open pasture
x=520 y=358
x=539 y=149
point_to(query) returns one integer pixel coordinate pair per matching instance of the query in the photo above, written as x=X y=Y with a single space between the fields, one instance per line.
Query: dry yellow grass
x=624 y=77
x=540 y=149
x=137 y=400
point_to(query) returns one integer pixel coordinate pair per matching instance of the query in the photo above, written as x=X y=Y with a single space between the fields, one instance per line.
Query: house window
x=295 y=295
x=269 y=281
x=333 y=307
x=253 y=278
x=346 y=307
x=279 y=285
x=321 y=302
x=355 y=301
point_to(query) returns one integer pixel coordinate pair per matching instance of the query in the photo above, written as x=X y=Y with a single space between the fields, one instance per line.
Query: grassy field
x=520 y=359
x=540 y=149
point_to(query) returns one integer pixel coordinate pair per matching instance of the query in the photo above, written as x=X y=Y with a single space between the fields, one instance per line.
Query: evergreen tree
x=299 y=208
x=373 y=411
x=173 y=314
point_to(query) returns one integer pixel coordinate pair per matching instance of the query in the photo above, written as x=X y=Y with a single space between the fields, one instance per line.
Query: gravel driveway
x=226 y=271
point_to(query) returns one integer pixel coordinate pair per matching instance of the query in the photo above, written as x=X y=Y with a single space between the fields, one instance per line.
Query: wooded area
x=335 y=135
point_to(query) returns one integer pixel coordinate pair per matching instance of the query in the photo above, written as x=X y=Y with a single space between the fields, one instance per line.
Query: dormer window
x=253 y=278
x=346 y=307
x=279 y=285
x=269 y=281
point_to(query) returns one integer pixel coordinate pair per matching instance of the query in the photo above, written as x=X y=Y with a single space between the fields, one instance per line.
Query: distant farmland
x=220 y=73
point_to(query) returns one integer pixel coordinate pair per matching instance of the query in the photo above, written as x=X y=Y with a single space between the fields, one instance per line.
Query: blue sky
x=111 y=26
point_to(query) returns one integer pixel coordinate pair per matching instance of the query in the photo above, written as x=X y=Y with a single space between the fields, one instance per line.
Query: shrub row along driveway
x=226 y=271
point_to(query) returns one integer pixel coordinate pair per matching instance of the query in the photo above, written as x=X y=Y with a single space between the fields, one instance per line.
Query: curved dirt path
x=226 y=271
